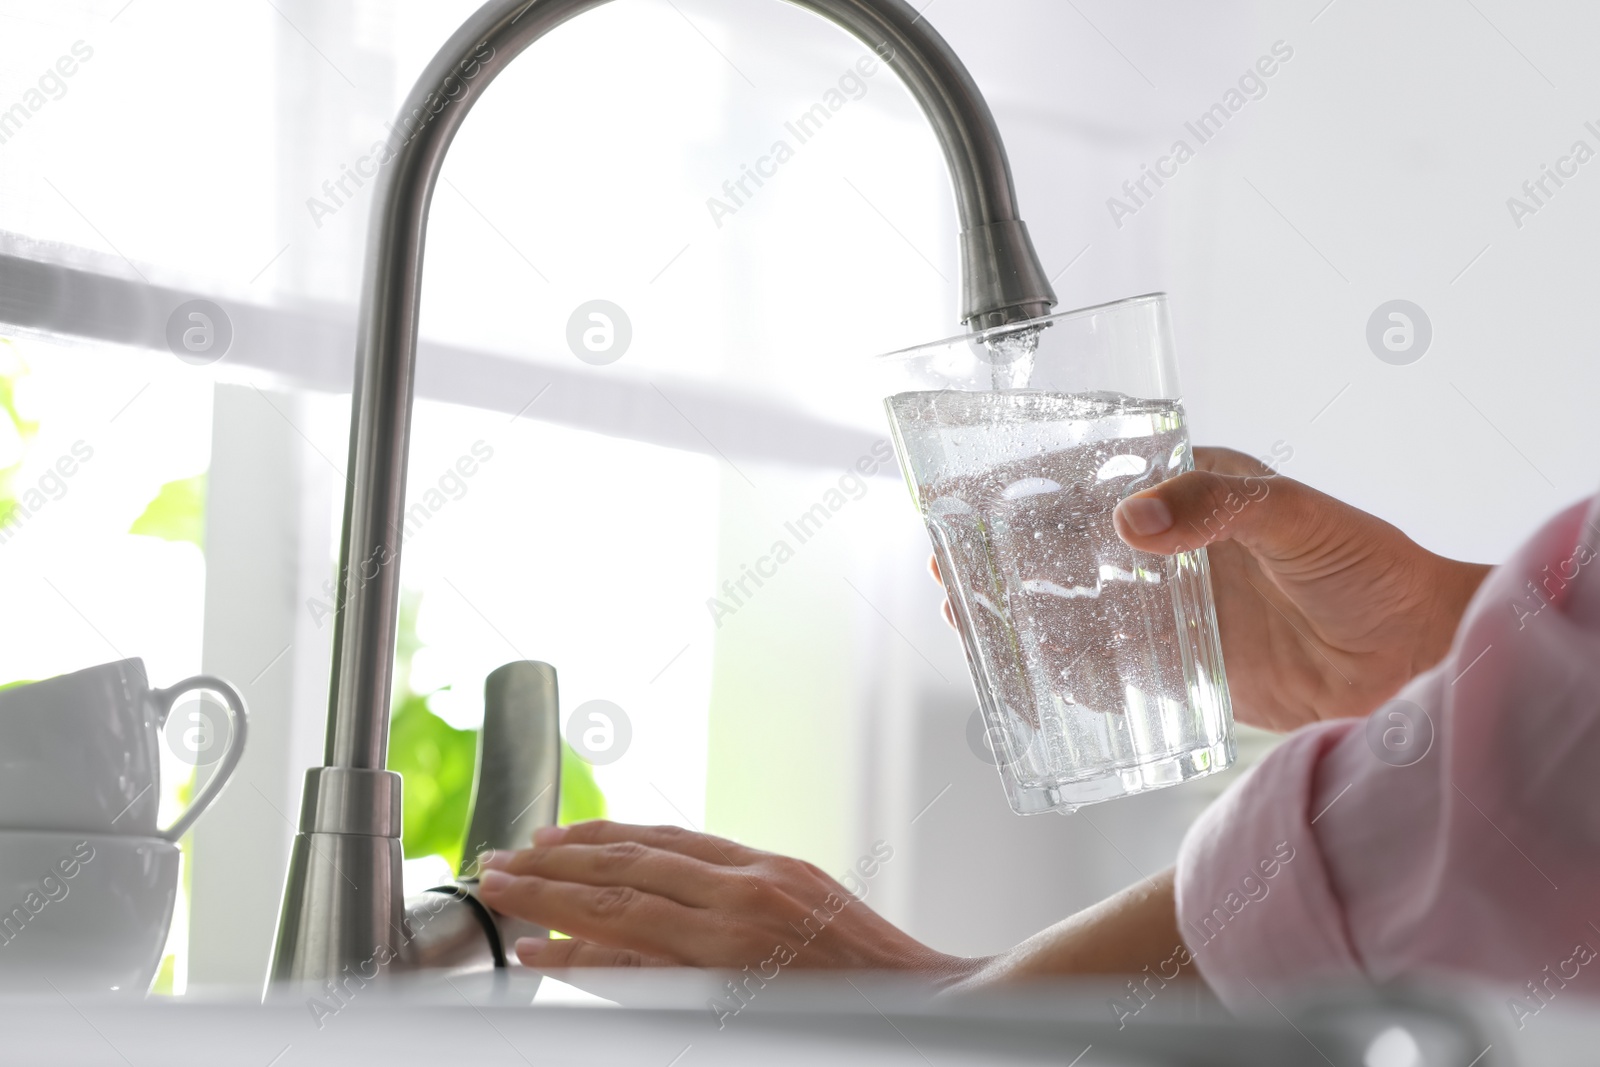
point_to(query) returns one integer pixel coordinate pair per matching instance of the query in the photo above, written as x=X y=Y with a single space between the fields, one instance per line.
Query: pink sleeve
x=1455 y=831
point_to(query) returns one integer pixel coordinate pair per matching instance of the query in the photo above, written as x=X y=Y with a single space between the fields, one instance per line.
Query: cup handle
x=238 y=721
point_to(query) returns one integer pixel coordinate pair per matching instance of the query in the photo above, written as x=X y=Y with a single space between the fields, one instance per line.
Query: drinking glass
x=1097 y=667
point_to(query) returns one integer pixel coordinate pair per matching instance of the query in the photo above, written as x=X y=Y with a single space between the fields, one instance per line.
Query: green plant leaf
x=11 y=370
x=581 y=798
x=178 y=513
x=436 y=762
x=162 y=986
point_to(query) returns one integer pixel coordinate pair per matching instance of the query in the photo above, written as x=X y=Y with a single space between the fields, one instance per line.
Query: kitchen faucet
x=343 y=910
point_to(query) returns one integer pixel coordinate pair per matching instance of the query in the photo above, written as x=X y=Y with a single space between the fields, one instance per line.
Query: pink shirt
x=1456 y=831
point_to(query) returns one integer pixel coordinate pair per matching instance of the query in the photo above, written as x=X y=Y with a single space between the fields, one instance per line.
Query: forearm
x=1121 y=935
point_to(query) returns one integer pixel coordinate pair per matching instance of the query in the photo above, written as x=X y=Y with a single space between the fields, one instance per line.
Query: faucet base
x=351 y=800
x=343 y=920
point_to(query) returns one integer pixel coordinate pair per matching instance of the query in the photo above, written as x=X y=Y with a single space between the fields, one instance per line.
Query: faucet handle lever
x=518 y=782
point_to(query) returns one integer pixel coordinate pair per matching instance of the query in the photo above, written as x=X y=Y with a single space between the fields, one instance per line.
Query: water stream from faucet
x=1011 y=358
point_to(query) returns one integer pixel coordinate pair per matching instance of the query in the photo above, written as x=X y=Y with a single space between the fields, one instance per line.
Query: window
x=601 y=520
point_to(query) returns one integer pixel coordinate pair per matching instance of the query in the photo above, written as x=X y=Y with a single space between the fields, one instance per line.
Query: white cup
x=81 y=752
x=84 y=912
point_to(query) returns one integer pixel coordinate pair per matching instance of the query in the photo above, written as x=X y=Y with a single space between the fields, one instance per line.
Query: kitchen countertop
x=670 y=1021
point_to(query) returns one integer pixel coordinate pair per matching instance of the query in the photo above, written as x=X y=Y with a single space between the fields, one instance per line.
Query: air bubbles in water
x=1079 y=638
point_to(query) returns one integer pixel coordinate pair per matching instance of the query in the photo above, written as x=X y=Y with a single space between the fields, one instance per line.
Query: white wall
x=1376 y=166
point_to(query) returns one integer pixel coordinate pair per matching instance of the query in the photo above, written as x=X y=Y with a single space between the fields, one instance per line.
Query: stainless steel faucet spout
x=333 y=917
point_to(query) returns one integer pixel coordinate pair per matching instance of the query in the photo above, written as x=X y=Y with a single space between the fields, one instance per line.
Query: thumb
x=1267 y=513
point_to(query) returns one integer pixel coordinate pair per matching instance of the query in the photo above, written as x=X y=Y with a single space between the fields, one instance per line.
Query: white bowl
x=84 y=912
